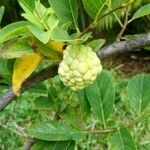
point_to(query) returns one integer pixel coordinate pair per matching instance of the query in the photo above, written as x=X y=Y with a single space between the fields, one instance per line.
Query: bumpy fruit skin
x=80 y=66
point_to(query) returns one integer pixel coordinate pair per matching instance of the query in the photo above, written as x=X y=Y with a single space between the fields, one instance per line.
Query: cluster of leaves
x=99 y=99
x=46 y=29
x=43 y=36
x=65 y=117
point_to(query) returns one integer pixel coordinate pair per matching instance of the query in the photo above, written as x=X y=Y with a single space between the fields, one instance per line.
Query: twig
x=128 y=125
x=20 y=129
x=93 y=24
x=102 y=131
x=28 y=144
x=29 y=141
x=125 y=24
x=51 y=71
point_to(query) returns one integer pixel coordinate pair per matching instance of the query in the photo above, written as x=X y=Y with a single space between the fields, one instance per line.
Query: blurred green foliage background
x=22 y=113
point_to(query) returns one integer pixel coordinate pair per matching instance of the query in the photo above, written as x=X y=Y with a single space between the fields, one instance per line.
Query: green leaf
x=66 y=10
x=1 y=13
x=42 y=102
x=58 y=145
x=13 y=30
x=85 y=37
x=46 y=103
x=43 y=36
x=144 y=10
x=39 y=89
x=3 y=66
x=147 y=48
x=54 y=131
x=58 y=34
x=38 y=15
x=41 y=10
x=93 y=7
x=52 y=21
x=16 y=49
x=122 y=140
x=138 y=91
x=27 y=5
x=101 y=95
x=132 y=36
x=32 y=19
x=96 y=44
x=84 y=103
x=4 y=72
x=66 y=26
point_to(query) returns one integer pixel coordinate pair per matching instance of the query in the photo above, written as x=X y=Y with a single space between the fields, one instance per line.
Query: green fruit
x=80 y=67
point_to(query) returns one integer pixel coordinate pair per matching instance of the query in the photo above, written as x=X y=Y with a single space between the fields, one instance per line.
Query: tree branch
x=51 y=71
x=124 y=46
x=34 y=79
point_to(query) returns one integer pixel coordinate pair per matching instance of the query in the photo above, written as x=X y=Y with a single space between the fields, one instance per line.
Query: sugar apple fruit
x=79 y=67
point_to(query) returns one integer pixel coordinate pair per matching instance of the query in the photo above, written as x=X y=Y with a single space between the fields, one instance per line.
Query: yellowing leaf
x=23 y=68
x=52 y=50
x=56 y=46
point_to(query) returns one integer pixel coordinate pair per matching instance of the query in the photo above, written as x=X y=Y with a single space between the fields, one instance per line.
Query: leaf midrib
x=74 y=20
x=101 y=105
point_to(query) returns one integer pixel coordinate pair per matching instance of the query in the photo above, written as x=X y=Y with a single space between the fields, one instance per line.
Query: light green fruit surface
x=80 y=67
